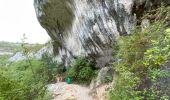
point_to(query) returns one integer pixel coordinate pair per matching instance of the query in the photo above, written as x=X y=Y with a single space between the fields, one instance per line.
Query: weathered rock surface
x=19 y=56
x=93 y=25
x=64 y=91
x=105 y=75
x=89 y=27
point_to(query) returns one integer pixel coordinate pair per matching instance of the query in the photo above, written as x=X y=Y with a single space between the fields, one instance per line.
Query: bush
x=10 y=89
x=4 y=60
x=24 y=81
x=85 y=73
x=27 y=79
x=108 y=79
x=82 y=70
x=52 y=67
x=140 y=57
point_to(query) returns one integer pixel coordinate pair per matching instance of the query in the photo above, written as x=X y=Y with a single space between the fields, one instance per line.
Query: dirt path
x=64 y=91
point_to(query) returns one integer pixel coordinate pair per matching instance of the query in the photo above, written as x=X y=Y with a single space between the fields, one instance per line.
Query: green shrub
x=4 y=60
x=108 y=78
x=10 y=89
x=141 y=55
x=27 y=79
x=33 y=77
x=82 y=70
x=52 y=67
x=20 y=83
x=124 y=87
x=85 y=73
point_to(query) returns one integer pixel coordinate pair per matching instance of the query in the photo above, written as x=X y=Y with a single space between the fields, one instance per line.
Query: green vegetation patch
x=82 y=70
x=27 y=79
x=139 y=60
x=4 y=60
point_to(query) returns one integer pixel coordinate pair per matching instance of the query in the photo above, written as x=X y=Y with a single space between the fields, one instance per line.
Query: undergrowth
x=82 y=70
x=138 y=62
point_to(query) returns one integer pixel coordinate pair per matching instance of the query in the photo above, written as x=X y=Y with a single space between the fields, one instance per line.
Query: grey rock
x=89 y=27
x=39 y=53
x=17 y=57
x=145 y=23
x=101 y=77
x=103 y=73
x=104 y=58
x=93 y=28
x=93 y=84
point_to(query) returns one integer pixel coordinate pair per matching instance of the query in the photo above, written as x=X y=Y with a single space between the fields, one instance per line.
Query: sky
x=17 y=17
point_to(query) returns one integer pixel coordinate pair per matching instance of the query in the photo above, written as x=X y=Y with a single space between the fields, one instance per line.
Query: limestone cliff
x=89 y=27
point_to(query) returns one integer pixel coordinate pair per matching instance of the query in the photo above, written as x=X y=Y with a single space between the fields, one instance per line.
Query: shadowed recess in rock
x=58 y=14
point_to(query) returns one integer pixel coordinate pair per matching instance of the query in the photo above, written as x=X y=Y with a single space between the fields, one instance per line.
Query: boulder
x=105 y=75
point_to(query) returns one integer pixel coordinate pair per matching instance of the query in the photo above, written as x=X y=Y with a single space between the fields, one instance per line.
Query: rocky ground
x=64 y=91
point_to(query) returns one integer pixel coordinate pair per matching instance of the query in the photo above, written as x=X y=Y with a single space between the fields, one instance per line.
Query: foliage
x=19 y=83
x=25 y=84
x=152 y=94
x=154 y=74
x=82 y=70
x=139 y=59
x=159 y=53
x=108 y=78
x=85 y=73
x=25 y=80
x=53 y=67
x=124 y=87
x=155 y=57
x=9 y=87
x=4 y=60
x=29 y=79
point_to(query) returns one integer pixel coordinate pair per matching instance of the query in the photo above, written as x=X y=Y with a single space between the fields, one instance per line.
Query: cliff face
x=88 y=27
